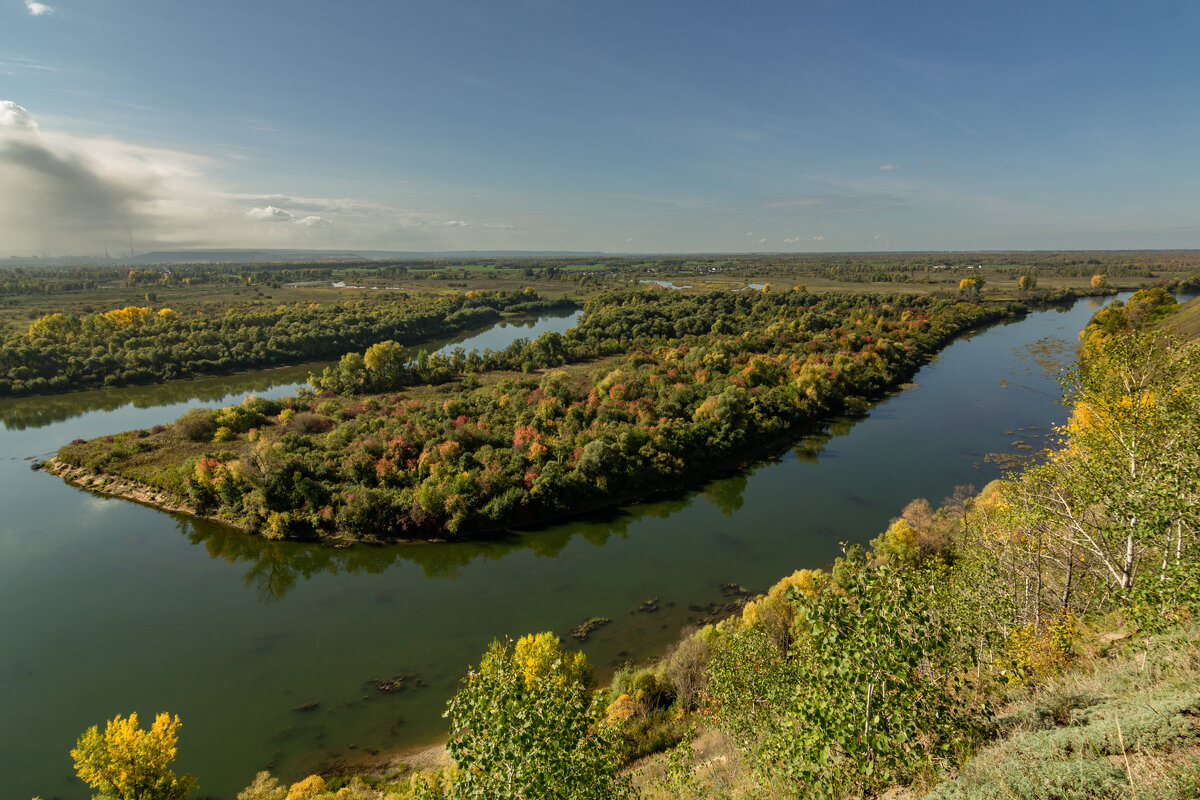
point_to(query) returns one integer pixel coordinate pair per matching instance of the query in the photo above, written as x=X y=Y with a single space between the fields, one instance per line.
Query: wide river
x=269 y=651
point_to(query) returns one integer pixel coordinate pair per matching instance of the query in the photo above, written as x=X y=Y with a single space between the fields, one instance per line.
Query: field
x=211 y=289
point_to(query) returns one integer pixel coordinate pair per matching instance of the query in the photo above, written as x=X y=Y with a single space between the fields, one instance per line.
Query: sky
x=643 y=127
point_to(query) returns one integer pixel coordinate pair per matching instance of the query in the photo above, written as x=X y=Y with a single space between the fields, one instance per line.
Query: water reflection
x=276 y=567
x=726 y=494
x=36 y=412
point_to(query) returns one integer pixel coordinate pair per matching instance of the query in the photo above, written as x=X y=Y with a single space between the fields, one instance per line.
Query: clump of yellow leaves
x=127 y=763
x=536 y=655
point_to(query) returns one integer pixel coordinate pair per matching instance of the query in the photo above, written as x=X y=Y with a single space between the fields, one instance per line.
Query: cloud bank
x=38 y=9
x=63 y=194
x=67 y=194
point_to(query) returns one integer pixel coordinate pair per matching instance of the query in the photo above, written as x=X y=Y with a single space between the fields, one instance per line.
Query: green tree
x=129 y=763
x=869 y=695
x=525 y=725
x=385 y=363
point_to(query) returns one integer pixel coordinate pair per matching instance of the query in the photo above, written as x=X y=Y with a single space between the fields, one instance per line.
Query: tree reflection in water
x=277 y=566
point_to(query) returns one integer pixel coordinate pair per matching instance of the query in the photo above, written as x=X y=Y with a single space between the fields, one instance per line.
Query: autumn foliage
x=126 y=762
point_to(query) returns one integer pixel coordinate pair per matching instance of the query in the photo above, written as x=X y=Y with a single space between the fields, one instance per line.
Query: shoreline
x=113 y=485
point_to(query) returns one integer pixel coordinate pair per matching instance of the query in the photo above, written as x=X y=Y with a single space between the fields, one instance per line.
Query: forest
x=70 y=327
x=139 y=344
x=649 y=391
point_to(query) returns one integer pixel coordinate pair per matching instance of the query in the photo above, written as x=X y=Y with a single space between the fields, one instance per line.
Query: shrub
x=686 y=668
x=870 y=695
x=308 y=422
x=196 y=425
x=1032 y=653
x=126 y=762
x=527 y=726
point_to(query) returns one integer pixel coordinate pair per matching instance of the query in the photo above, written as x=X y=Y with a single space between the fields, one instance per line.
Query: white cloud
x=888 y=167
x=63 y=194
x=818 y=238
x=270 y=214
x=792 y=240
x=798 y=202
x=499 y=226
x=38 y=9
x=16 y=65
x=13 y=116
x=762 y=240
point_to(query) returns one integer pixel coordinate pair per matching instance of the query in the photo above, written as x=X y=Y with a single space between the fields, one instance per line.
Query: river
x=268 y=651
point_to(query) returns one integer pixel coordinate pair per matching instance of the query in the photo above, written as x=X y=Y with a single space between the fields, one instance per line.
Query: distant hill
x=247 y=256
x=207 y=256
x=460 y=254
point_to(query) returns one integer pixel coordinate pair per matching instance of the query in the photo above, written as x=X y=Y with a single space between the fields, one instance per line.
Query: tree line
x=139 y=345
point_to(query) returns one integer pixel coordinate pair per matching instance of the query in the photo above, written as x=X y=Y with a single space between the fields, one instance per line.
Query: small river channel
x=269 y=652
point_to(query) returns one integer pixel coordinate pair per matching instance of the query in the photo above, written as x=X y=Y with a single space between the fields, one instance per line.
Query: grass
x=1123 y=724
x=1186 y=320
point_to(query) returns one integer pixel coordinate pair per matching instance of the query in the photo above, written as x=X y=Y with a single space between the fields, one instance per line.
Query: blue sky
x=617 y=126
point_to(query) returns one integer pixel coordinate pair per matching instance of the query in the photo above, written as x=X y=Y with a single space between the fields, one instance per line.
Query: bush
x=686 y=668
x=871 y=694
x=196 y=425
x=529 y=727
x=1032 y=653
x=308 y=422
x=126 y=762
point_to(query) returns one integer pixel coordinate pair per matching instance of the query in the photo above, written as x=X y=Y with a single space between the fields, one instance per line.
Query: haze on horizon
x=624 y=126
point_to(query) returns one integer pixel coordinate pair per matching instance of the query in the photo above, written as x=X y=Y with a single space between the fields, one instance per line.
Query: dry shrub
x=686 y=667
x=196 y=425
x=308 y=422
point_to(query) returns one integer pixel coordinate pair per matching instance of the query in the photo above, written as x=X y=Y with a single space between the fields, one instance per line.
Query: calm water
x=111 y=607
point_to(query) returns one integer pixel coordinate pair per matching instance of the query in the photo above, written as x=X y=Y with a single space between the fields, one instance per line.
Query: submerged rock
x=584 y=629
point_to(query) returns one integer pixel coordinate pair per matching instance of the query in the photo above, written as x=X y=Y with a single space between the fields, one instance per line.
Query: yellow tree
x=1125 y=488
x=971 y=286
x=129 y=763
